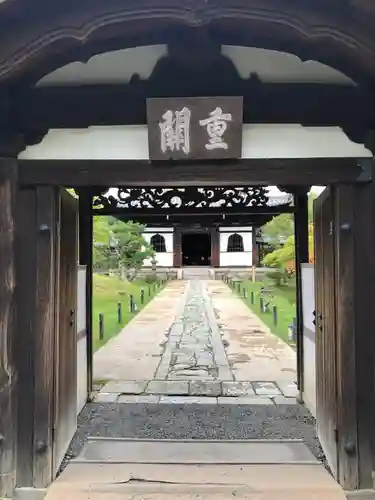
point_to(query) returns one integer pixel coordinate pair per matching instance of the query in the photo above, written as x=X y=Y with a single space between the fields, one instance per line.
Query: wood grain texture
x=8 y=369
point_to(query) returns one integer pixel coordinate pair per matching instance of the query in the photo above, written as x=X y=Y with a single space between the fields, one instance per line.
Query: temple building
x=216 y=245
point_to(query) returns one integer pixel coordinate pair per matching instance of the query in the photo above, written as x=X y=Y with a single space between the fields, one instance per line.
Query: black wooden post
x=244 y=292
x=131 y=303
x=149 y=291
x=301 y=234
x=85 y=259
x=101 y=326
x=119 y=313
x=252 y=298
x=261 y=303
x=274 y=315
x=142 y=296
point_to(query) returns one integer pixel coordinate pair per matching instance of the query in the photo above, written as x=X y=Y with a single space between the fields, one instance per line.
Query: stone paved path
x=196 y=343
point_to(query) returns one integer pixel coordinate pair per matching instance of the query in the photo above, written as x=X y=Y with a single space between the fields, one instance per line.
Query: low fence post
x=244 y=292
x=252 y=298
x=274 y=315
x=131 y=303
x=149 y=291
x=239 y=287
x=142 y=296
x=261 y=304
x=119 y=313
x=101 y=326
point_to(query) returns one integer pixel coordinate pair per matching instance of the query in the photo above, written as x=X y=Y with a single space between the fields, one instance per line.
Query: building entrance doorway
x=196 y=249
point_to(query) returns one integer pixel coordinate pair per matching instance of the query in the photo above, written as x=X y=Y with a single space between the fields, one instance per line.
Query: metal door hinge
x=335 y=435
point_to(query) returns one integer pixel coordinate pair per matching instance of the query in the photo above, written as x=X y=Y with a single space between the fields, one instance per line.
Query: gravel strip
x=158 y=421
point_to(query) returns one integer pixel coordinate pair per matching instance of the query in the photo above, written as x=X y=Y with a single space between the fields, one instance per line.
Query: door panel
x=325 y=318
x=66 y=337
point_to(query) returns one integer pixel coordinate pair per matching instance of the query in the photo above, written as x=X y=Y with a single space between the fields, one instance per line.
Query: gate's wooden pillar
x=255 y=252
x=355 y=292
x=86 y=259
x=8 y=370
x=215 y=247
x=177 y=247
x=301 y=234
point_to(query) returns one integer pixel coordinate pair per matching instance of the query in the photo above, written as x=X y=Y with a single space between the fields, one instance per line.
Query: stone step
x=120 y=450
x=89 y=481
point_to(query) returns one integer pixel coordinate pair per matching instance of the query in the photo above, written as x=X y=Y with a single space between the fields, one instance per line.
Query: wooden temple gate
x=38 y=222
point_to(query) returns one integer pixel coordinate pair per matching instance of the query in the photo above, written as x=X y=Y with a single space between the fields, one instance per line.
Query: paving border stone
x=126 y=386
x=203 y=388
x=282 y=400
x=168 y=387
x=288 y=389
x=237 y=389
x=245 y=400
x=266 y=388
x=136 y=398
x=106 y=397
x=183 y=400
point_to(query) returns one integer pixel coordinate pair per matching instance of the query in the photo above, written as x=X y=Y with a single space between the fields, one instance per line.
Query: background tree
x=131 y=246
x=119 y=244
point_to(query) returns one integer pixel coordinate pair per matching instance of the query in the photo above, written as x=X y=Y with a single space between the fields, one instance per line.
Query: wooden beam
x=72 y=106
x=8 y=369
x=301 y=235
x=243 y=212
x=133 y=173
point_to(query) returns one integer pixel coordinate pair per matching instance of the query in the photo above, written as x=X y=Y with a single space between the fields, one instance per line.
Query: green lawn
x=107 y=292
x=284 y=298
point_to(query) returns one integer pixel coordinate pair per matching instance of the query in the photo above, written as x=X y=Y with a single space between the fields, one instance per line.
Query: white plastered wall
x=232 y=259
x=163 y=259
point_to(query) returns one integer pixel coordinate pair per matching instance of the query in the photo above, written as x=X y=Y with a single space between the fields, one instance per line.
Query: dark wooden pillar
x=8 y=370
x=301 y=234
x=86 y=259
x=255 y=252
x=177 y=247
x=355 y=291
x=215 y=247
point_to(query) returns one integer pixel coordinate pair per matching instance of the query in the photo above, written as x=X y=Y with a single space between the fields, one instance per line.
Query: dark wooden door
x=65 y=421
x=326 y=334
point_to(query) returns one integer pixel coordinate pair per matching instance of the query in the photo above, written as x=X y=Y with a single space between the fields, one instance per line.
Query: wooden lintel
x=233 y=212
x=71 y=106
x=246 y=172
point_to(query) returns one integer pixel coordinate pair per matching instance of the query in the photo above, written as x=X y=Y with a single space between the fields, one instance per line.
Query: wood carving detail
x=183 y=199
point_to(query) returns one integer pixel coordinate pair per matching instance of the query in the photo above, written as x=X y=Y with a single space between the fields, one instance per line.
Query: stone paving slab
x=171 y=387
x=149 y=398
x=126 y=387
x=196 y=387
x=201 y=388
x=237 y=389
x=183 y=400
x=244 y=400
x=207 y=400
x=266 y=389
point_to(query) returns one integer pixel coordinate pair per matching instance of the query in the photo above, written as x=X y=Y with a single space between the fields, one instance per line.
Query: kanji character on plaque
x=216 y=125
x=175 y=131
